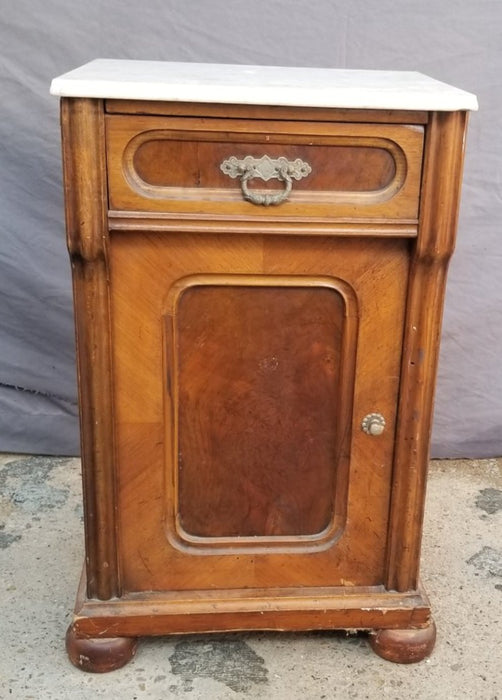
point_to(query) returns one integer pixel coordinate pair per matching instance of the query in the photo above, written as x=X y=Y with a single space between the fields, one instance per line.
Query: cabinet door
x=243 y=367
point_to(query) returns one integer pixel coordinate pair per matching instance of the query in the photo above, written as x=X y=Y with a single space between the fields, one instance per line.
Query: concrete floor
x=40 y=559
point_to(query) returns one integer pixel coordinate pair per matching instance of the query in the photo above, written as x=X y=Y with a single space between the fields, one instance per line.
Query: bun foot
x=404 y=646
x=99 y=655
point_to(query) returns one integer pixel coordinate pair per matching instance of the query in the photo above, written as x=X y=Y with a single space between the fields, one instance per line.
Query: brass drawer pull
x=265 y=168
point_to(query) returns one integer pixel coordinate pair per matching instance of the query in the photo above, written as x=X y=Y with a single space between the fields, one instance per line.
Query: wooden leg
x=404 y=646
x=99 y=655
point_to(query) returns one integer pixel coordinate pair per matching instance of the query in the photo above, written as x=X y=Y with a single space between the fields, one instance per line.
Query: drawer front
x=239 y=167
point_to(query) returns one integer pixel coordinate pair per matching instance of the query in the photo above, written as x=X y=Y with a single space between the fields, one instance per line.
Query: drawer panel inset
x=156 y=163
x=177 y=165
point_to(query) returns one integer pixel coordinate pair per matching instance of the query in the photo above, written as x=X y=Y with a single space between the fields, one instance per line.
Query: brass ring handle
x=265 y=168
x=266 y=198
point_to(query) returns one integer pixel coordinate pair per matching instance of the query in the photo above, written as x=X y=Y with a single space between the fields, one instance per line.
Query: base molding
x=151 y=613
x=102 y=636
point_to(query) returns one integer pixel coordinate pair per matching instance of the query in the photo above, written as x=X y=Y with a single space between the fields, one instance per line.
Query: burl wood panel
x=258 y=370
x=170 y=164
x=346 y=168
x=144 y=268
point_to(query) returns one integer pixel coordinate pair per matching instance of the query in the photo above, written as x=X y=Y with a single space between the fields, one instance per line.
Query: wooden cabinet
x=258 y=294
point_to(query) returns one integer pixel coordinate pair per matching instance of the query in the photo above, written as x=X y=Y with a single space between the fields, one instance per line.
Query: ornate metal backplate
x=265 y=168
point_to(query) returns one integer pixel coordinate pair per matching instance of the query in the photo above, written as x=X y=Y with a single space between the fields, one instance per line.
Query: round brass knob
x=373 y=424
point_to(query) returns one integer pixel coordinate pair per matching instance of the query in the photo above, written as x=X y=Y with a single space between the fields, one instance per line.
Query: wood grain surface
x=443 y=164
x=147 y=420
x=173 y=164
x=84 y=169
x=258 y=402
x=227 y=355
x=265 y=112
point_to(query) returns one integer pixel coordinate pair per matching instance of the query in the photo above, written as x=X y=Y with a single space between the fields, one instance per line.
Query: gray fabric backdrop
x=456 y=41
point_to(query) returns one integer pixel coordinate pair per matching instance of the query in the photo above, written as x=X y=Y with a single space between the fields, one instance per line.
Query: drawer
x=256 y=168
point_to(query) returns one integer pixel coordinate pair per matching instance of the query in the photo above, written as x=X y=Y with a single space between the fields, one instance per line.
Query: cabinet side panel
x=86 y=223
x=436 y=239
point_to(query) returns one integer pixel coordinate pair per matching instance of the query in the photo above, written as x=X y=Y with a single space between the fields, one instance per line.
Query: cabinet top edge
x=261 y=85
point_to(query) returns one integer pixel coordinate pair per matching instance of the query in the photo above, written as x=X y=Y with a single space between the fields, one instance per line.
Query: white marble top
x=265 y=85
